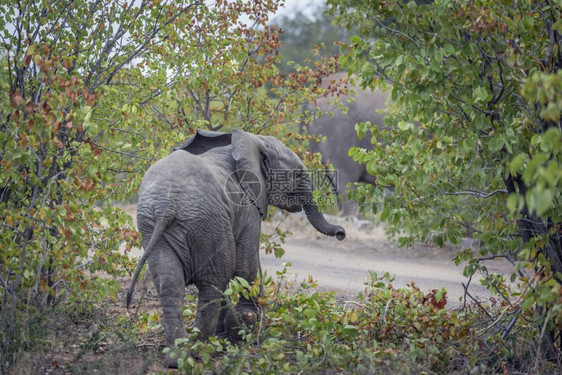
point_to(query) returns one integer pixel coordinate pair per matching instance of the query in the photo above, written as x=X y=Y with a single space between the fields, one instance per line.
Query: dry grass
x=101 y=339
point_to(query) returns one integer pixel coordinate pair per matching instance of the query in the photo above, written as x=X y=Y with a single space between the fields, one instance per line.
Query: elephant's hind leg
x=214 y=266
x=208 y=309
x=246 y=312
x=168 y=276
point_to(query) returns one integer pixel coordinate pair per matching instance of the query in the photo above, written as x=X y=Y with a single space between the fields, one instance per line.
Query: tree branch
x=474 y=193
x=123 y=152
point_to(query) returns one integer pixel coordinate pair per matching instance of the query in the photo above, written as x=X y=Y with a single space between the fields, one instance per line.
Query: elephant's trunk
x=319 y=222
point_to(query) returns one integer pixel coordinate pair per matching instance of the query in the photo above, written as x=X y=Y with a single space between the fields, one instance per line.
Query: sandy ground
x=343 y=266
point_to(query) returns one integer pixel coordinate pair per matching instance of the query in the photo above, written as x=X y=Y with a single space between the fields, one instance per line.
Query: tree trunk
x=531 y=226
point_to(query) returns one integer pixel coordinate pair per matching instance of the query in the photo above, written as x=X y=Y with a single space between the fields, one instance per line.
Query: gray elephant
x=200 y=211
x=340 y=134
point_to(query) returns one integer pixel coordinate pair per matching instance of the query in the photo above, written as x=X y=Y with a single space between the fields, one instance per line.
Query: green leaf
x=439 y=240
x=350 y=330
x=532 y=166
x=517 y=163
x=385 y=213
x=310 y=313
x=480 y=94
x=372 y=169
x=278 y=252
x=527 y=304
x=104 y=222
x=496 y=143
x=213 y=340
x=512 y=202
x=28 y=273
x=242 y=282
x=449 y=49
x=438 y=295
x=544 y=201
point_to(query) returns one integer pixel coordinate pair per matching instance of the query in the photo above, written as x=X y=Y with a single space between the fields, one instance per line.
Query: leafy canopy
x=303 y=35
x=475 y=141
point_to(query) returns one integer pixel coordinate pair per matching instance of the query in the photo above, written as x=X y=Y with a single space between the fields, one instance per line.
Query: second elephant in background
x=339 y=130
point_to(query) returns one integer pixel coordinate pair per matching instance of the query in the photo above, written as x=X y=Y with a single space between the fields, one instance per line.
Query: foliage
x=303 y=36
x=386 y=330
x=302 y=330
x=475 y=139
x=93 y=93
x=272 y=243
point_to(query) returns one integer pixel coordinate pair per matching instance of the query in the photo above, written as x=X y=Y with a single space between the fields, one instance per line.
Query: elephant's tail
x=159 y=228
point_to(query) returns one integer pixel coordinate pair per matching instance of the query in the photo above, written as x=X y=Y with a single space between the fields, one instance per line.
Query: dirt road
x=343 y=266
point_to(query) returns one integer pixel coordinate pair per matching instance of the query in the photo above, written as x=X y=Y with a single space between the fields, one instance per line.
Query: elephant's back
x=183 y=182
x=181 y=168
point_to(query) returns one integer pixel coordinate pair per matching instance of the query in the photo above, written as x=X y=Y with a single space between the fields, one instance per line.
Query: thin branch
x=475 y=193
x=463 y=224
x=511 y=324
x=149 y=38
x=466 y=293
x=394 y=31
x=123 y=152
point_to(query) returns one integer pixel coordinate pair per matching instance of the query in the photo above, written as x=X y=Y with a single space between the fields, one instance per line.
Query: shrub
x=383 y=330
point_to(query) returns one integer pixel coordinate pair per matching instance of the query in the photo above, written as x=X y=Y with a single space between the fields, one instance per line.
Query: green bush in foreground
x=386 y=330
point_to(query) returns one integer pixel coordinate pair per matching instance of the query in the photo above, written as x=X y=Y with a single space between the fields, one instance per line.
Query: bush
x=383 y=330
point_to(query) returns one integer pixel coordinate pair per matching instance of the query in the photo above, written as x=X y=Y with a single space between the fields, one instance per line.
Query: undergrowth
x=384 y=330
x=301 y=330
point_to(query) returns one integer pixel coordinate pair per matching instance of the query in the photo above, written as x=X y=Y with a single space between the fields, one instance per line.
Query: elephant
x=340 y=134
x=199 y=212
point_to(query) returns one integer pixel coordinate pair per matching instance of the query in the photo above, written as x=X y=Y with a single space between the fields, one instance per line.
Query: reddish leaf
x=29 y=107
x=17 y=98
x=91 y=99
x=27 y=60
x=45 y=49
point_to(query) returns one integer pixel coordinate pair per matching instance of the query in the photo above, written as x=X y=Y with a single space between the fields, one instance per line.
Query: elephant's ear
x=249 y=152
x=204 y=140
